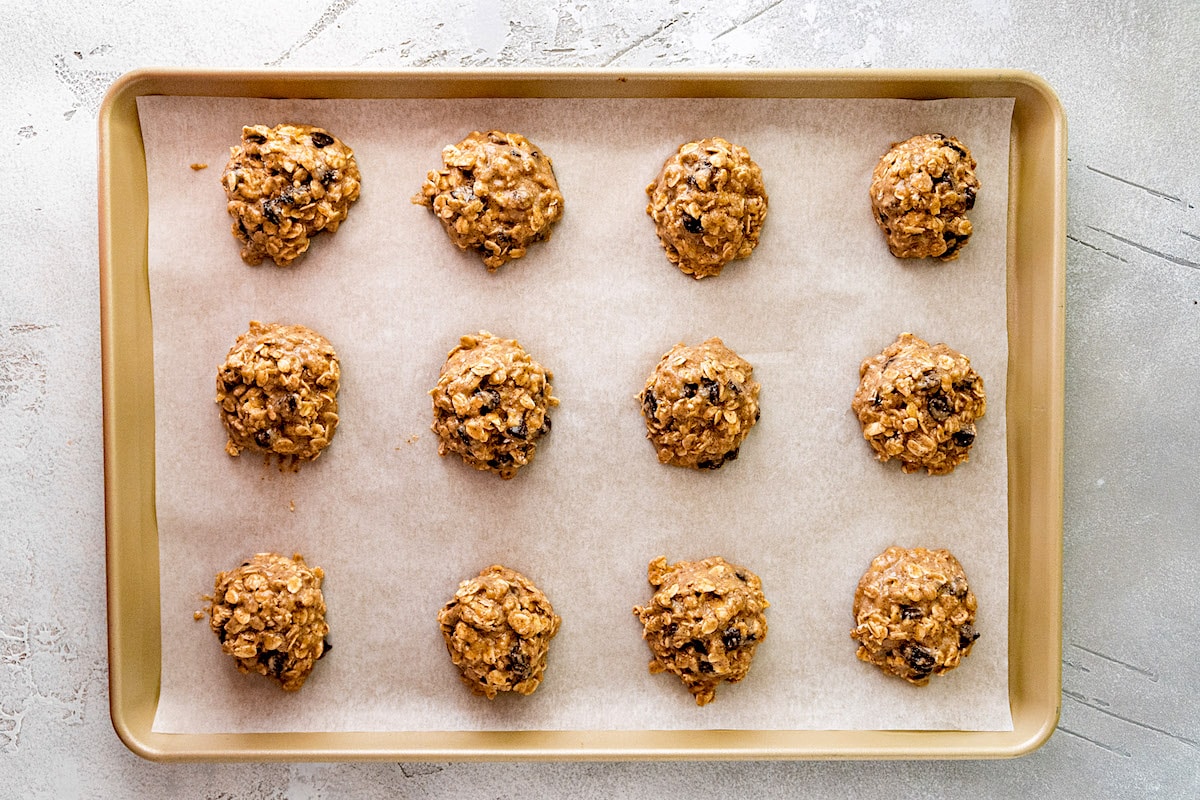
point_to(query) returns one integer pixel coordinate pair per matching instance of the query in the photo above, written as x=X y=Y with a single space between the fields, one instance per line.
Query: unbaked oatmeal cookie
x=277 y=392
x=284 y=186
x=699 y=403
x=497 y=630
x=495 y=193
x=918 y=403
x=708 y=204
x=921 y=191
x=491 y=404
x=269 y=615
x=914 y=613
x=704 y=622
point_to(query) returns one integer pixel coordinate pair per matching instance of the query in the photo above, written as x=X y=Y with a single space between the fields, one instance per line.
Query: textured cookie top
x=699 y=403
x=708 y=204
x=914 y=613
x=497 y=629
x=269 y=614
x=496 y=193
x=490 y=404
x=918 y=403
x=285 y=185
x=921 y=191
x=277 y=392
x=703 y=623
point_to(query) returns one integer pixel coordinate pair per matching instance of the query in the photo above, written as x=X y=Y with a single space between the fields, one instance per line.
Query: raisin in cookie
x=498 y=629
x=490 y=404
x=495 y=193
x=699 y=403
x=277 y=392
x=914 y=613
x=921 y=191
x=918 y=403
x=708 y=204
x=285 y=185
x=269 y=614
x=704 y=622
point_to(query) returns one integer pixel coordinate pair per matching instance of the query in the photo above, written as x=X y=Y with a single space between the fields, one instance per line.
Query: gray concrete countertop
x=1127 y=74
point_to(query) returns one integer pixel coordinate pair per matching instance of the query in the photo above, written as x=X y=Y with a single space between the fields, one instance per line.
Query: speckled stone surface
x=1126 y=73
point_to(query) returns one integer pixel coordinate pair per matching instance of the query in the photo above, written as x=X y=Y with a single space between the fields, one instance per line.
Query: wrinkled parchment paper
x=396 y=527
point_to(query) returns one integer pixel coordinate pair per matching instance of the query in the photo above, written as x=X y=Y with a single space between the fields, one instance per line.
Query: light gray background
x=1127 y=74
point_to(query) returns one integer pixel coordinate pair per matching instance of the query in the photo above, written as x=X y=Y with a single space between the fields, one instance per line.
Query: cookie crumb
x=197 y=167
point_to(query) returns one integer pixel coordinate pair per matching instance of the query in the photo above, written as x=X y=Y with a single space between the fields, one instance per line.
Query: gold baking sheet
x=1042 y=306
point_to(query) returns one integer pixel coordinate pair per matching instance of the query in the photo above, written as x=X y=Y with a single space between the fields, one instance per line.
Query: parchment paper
x=396 y=527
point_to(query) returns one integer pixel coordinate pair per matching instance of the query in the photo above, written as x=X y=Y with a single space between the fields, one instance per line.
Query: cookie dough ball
x=708 y=205
x=495 y=193
x=699 y=403
x=921 y=192
x=704 y=622
x=914 y=613
x=918 y=403
x=490 y=404
x=269 y=614
x=285 y=185
x=498 y=629
x=277 y=392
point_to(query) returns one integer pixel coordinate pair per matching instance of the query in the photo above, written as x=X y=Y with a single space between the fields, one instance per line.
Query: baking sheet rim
x=1038 y=720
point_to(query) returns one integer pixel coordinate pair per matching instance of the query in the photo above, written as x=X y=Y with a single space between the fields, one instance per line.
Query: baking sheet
x=396 y=527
